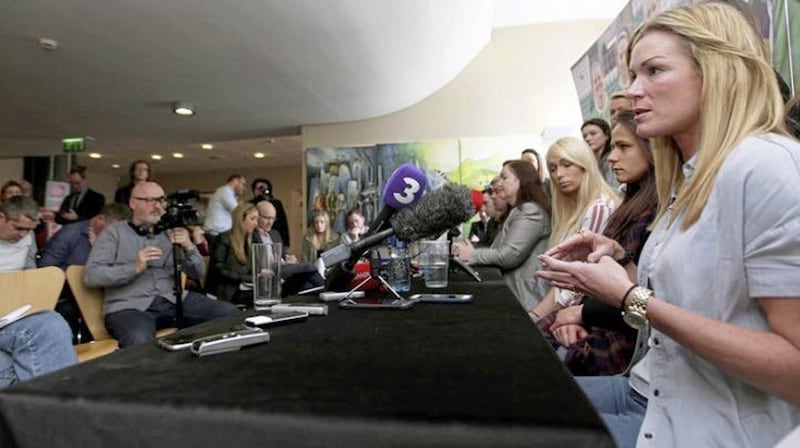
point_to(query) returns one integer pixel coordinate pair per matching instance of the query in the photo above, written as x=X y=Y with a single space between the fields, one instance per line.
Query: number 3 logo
x=407 y=197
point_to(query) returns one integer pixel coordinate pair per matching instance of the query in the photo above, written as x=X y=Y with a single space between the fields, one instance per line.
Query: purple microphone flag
x=405 y=186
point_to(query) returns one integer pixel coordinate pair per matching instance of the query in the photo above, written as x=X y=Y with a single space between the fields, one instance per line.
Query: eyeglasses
x=18 y=228
x=150 y=201
x=270 y=218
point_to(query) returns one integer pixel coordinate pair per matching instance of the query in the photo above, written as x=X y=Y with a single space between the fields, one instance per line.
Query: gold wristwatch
x=635 y=315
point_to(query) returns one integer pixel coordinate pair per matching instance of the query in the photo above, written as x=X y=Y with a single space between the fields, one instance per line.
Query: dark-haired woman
x=597 y=340
x=597 y=134
x=523 y=237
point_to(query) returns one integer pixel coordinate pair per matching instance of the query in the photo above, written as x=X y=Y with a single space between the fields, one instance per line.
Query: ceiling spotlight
x=115 y=166
x=177 y=155
x=95 y=155
x=156 y=157
x=48 y=44
x=259 y=155
x=207 y=146
x=183 y=108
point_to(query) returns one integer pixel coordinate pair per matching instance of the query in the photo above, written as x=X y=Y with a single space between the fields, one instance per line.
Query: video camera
x=265 y=196
x=180 y=211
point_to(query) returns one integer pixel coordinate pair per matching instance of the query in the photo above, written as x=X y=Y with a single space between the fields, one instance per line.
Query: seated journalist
x=133 y=263
x=38 y=343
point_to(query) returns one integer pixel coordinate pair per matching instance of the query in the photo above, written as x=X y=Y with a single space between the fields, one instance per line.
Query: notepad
x=14 y=315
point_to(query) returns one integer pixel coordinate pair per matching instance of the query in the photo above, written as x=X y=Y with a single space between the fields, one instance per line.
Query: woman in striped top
x=582 y=200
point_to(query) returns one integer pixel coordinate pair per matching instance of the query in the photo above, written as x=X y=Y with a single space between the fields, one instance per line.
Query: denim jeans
x=621 y=408
x=132 y=327
x=34 y=345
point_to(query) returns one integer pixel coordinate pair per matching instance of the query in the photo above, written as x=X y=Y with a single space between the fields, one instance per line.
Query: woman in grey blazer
x=523 y=237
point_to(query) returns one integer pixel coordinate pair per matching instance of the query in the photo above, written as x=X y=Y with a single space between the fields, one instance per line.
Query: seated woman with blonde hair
x=319 y=237
x=716 y=293
x=230 y=274
x=596 y=339
x=582 y=201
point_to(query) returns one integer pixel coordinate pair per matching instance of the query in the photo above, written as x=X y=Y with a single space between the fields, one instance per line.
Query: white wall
x=519 y=84
x=11 y=169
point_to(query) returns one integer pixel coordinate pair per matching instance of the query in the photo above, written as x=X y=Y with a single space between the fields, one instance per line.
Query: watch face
x=635 y=320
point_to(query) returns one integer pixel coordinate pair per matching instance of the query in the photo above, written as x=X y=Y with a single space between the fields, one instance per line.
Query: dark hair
x=530 y=187
x=11 y=183
x=640 y=197
x=792 y=118
x=80 y=170
x=261 y=180
x=605 y=127
x=530 y=151
x=538 y=160
x=786 y=91
x=132 y=168
x=351 y=212
x=503 y=212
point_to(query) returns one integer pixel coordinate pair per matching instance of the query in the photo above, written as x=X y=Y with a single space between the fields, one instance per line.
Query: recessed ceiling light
x=48 y=44
x=183 y=108
x=207 y=146
x=95 y=155
x=156 y=157
x=115 y=166
x=259 y=155
x=177 y=155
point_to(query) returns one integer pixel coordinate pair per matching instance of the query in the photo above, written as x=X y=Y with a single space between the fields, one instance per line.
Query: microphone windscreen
x=437 y=212
x=404 y=187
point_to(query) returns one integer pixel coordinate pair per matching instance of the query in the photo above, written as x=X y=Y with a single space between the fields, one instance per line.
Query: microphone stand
x=458 y=265
x=374 y=273
x=177 y=264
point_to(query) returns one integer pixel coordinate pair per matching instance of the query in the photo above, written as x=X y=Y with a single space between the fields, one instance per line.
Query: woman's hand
x=586 y=246
x=462 y=250
x=571 y=315
x=568 y=335
x=605 y=280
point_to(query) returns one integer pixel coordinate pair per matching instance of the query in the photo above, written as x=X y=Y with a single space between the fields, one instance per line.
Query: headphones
x=143 y=230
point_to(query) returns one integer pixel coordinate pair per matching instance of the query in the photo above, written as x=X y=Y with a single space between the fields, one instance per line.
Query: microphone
x=434 y=214
x=404 y=188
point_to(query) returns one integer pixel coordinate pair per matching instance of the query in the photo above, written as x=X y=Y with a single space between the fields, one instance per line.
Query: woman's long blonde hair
x=740 y=97
x=320 y=241
x=240 y=240
x=569 y=210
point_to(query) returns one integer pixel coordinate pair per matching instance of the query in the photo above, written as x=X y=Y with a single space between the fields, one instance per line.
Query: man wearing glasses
x=295 y=276
x=262 y=191
x=134 y=266
x=38 y=343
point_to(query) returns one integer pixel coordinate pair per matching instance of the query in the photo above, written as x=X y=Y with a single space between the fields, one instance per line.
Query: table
x=435 y=375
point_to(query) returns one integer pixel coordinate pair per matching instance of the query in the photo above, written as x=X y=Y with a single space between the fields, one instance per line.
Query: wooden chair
x=39 y=288
x=90 y=302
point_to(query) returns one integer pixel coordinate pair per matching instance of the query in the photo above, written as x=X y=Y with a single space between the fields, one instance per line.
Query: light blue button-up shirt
x=745 y=245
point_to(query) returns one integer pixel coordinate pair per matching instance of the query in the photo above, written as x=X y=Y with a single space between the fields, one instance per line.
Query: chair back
x=90 y=302
x=39 y=288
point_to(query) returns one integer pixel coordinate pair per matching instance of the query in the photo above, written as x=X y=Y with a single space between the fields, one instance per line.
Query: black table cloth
x=435 y=375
